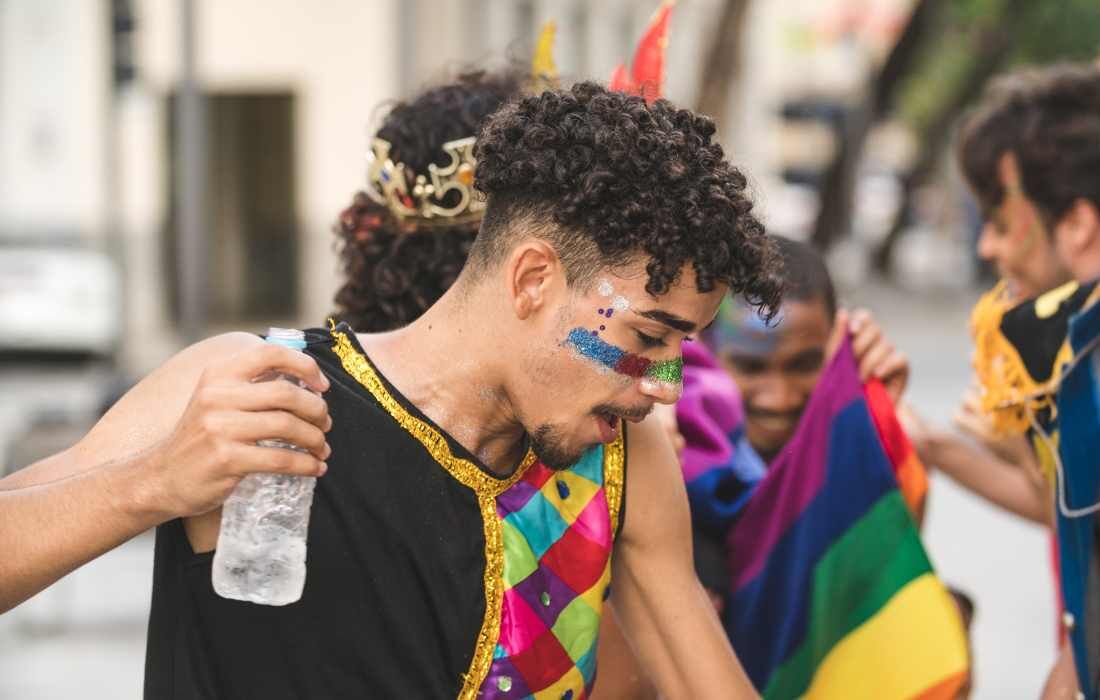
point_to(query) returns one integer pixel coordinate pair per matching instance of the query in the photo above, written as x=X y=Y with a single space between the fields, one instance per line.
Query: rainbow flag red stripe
x=833 y=594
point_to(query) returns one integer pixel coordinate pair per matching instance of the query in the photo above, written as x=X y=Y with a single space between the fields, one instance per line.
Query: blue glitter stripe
x=594 y=348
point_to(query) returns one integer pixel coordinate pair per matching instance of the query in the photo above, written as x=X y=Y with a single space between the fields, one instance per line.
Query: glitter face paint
x=623 y=362
x=740 y=329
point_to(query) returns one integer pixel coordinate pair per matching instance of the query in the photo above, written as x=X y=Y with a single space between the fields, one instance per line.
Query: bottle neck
x=287 y=337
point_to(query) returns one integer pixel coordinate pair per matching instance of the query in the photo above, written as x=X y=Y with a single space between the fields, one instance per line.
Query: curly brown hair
x=393 y=270
x=588 y=166
x=1050 y=119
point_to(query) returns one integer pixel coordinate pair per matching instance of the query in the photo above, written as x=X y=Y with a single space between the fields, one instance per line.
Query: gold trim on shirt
x=486 y=488
x=614 y=459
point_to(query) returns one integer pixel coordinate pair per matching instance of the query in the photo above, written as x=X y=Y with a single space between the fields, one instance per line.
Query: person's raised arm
x=1015 y=486
x=656 y=596
x=175 y=445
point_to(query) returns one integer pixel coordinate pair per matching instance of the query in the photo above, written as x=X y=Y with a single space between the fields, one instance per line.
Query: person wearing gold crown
x=491 y=481
x=396 y=267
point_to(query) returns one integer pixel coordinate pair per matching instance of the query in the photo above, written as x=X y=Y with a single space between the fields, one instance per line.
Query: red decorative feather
x=647 y=76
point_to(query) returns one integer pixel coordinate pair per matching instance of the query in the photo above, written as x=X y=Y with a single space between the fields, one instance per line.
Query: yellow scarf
x=1008 y=390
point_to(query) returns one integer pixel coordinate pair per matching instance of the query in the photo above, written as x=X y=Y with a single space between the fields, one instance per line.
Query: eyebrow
x=671 y=320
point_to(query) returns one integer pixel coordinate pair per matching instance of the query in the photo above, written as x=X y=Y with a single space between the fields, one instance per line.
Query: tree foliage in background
x=945 y=56
x=966 y=34
x=967 y=43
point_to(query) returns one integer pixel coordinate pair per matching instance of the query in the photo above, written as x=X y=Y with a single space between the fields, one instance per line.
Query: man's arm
x=656 y=596
x=175 y=445
x=1062 y=682
x=1017 y=487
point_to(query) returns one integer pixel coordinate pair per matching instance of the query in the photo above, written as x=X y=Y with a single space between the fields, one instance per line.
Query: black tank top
x=401 y=598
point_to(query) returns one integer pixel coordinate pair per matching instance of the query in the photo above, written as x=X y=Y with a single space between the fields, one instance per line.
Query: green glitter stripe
x=671 y=371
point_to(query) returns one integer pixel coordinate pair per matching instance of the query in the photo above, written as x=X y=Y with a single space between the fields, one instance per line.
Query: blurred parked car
x=58 y=298
x=60 y=331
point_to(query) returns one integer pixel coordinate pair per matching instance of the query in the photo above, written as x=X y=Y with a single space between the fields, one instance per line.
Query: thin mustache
x=634 y=413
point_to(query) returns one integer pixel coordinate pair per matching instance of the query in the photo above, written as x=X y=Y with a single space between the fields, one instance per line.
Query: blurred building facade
x=90 y=148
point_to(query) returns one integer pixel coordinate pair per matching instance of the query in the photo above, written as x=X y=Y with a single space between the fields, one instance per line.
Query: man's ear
x=534 y=274
x=1008 y=172
x=1079 y=227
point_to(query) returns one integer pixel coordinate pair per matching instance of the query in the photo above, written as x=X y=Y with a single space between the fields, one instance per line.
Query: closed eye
x=649 y=341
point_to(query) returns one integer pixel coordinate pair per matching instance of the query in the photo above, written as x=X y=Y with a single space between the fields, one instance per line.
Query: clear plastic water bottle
x=261 y=554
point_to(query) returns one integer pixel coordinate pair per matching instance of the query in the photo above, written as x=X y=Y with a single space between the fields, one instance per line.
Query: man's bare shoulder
x=654 y=484
x=143 y=416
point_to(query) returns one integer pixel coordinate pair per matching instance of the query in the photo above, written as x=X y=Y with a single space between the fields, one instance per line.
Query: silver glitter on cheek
x=605 y=288
x=620 y=303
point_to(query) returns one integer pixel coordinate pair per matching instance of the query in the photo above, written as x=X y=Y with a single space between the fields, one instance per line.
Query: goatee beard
x=546 y=442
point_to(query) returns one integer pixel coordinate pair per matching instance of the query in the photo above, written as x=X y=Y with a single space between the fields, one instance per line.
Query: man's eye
x=748 y=365
x=807 y=365
x=649 y=341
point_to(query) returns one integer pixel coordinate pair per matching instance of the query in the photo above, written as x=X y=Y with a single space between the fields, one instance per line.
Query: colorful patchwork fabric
x=558 y=529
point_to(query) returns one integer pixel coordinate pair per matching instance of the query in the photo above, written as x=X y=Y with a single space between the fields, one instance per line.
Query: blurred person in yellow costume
x=1011 y=150
x=1018 y=327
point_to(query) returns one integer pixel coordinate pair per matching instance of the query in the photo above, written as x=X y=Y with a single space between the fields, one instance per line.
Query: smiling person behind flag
x=802 y=480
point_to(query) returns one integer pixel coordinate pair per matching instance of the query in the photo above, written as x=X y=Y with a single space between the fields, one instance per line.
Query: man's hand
x=972 y=419
x=214 y=443
x=876 y=356
x=175 y=445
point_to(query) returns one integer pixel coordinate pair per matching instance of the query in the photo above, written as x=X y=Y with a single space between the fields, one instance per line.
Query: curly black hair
x=1049 y=118
x=394 y=270
x=588 y=166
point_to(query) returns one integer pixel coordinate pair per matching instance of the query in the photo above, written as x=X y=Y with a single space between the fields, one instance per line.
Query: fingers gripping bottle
x=261 y=554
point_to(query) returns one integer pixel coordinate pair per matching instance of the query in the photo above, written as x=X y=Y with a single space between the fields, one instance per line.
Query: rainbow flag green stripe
x=883 y=548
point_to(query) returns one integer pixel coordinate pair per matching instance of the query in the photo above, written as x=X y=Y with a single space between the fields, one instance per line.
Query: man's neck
x=1085 y=266
x=449 y=369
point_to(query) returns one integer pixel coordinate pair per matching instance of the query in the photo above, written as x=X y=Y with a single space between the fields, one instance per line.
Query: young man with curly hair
x=461 y=539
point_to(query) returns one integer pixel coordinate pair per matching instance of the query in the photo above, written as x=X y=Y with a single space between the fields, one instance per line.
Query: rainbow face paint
x=622 y=362
x=739 y=328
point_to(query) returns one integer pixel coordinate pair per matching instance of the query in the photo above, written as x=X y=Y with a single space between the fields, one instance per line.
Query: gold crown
x=427 y=198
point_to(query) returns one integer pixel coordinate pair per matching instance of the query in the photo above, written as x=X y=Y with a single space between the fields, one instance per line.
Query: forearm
x=1006 y=485
x=678 y=640
x=48 y=530
x=1062 y=682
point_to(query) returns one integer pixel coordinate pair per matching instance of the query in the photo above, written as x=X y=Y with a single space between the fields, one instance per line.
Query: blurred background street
x=172 y=168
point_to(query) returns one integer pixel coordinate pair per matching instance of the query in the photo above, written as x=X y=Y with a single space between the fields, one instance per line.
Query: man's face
x=1015 y=240
x=776 y=368
x=607 y=354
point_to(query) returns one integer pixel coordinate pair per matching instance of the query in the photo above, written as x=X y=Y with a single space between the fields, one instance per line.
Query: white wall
x=336 y=56
x=53 y=91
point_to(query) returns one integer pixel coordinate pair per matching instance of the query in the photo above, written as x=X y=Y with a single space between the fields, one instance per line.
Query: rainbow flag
x=832 y=593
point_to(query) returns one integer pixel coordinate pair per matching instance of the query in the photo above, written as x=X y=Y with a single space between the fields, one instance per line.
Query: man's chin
x=768 y=443
x=557 y=460
x=550 y=449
